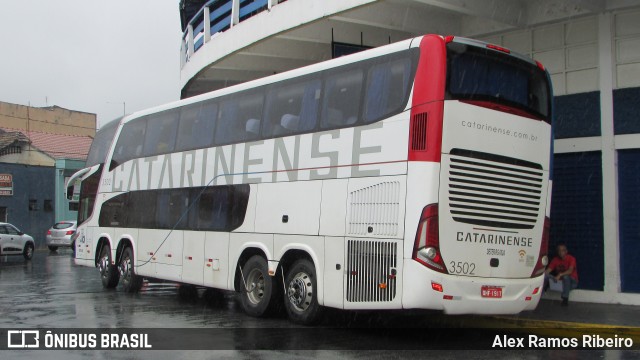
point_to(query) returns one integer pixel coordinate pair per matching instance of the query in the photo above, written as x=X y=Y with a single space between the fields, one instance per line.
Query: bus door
x=87 y=180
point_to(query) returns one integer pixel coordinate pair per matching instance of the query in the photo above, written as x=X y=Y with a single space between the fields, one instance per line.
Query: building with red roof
x=39 y=149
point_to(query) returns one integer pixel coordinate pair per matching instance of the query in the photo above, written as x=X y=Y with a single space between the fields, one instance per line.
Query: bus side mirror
x=70 y=190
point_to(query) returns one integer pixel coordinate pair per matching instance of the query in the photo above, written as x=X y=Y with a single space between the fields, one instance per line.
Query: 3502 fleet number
x=462 y=267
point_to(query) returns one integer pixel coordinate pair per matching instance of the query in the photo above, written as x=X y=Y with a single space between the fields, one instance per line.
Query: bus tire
x=108 y=272
x=262 y=298
x=302 y=293
x=131 y=283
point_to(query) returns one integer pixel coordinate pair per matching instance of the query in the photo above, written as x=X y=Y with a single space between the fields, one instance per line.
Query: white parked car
x=60 y=235
x=15 y=242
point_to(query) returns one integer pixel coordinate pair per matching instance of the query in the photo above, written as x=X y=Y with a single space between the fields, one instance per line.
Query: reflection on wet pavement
x=50 y=291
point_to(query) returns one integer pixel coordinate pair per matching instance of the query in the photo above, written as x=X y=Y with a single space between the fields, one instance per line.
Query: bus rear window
x=479 y=74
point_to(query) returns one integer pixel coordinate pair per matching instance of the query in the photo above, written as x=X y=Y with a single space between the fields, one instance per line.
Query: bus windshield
x=480 y=74
x=101 y=143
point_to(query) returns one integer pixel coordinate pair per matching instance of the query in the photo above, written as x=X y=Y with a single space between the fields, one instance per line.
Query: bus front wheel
x=108 y=272
x=301 y=292
x=258 y=296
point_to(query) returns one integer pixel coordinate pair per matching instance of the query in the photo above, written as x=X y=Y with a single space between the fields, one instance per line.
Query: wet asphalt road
x=50 y=291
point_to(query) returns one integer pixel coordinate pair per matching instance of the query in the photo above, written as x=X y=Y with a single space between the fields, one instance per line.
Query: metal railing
x=215 y=17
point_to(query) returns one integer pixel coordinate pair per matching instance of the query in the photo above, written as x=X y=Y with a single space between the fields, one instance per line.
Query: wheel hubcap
x=103 y=266
x=29 y=251
x=125 y=270
x=300 y=291
x=255 y=282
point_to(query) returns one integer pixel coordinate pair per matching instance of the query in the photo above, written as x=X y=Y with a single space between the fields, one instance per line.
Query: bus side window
x=387 y=88
x=342 y=93
x=130 y=141
x=197 y=122
x=160 y=136
x=113 y=212
x=212 y=211
x=292 y=108
x=140 y=209
x=239 y=201
x=239 y=118
x=170 y=207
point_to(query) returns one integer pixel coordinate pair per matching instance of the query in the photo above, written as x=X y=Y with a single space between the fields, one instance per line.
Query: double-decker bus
x=409 y=176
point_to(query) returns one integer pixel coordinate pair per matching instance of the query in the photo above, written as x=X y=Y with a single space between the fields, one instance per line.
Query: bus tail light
x=543 y=260
x=426 y=249
x=498 y=48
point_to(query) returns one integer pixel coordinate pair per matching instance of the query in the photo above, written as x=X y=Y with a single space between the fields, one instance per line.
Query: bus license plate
x=491 y=292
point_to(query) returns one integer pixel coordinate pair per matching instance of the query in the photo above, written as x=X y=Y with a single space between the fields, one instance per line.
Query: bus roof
x=324 y=65
x=344 y=60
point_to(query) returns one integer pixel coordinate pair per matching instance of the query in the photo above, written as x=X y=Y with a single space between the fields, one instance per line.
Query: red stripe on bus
x=428 y=100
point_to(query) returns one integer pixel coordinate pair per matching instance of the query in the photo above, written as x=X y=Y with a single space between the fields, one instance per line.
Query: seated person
x=563 y=268
x=336 y=118
x=252 y=127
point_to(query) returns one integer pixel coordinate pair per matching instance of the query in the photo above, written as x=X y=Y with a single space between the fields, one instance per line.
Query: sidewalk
x=552 y=320
x=575 y=320
x=586 y=314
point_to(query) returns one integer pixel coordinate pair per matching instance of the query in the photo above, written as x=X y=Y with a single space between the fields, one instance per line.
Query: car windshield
x=62 y=225
x=11 y=230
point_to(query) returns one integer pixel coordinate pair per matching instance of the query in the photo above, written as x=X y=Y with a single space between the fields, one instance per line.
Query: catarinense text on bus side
x=349 y=152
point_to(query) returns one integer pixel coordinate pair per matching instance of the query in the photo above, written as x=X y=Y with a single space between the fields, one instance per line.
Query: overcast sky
x=90 y=55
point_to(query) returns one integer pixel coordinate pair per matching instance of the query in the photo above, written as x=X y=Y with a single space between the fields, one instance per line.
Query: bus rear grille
x=494 y=190
x=371 y=270
x=374 y=210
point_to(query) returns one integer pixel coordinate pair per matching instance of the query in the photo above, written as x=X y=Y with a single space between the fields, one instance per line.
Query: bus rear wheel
x=302 y=298
x=108 y=272
x=131 y=283
x=258 y=294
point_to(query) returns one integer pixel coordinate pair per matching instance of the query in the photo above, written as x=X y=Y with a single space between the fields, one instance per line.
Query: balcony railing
x=215 y=17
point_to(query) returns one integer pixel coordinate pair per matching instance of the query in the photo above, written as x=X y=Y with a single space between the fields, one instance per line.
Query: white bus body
x=400 y=192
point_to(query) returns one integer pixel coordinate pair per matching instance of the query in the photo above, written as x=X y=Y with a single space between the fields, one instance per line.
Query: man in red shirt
x=563 y=268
